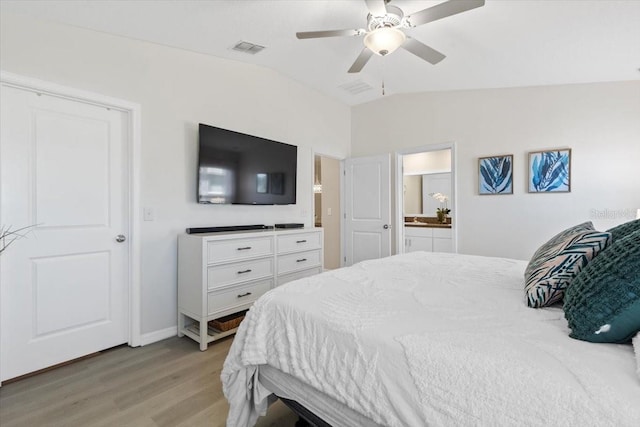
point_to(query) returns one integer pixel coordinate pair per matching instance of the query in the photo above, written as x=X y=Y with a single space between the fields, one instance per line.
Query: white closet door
x=367 y=208
x=65 y=285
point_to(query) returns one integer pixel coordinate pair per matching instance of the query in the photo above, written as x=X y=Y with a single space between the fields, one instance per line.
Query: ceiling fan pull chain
x=382 y=66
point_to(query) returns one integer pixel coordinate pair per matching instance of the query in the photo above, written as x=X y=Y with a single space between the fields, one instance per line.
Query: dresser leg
x=203 y=335
x=180 y=324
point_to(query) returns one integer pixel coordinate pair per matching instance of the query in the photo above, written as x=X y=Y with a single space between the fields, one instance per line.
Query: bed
x=425 y=339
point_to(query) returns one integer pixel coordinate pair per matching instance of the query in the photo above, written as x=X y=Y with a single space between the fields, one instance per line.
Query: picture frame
x=549 y=171
x=495 y=175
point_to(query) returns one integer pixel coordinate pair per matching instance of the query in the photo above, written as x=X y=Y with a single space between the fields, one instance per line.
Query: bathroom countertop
x=426 y=224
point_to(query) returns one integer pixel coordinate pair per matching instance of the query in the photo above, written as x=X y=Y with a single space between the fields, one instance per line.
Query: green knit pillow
x=624 y=229
x=603 y=302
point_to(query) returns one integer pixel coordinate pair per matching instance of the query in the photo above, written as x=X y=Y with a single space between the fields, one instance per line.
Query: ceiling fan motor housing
x=384 y=35
x=393 y=18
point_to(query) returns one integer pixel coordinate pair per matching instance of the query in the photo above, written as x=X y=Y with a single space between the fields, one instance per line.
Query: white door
x=367 y=208
x=63 y=168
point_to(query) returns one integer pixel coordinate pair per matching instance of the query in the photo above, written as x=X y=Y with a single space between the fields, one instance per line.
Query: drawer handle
x=301 y=260
x=244 y=271
x=244 y=295
x=301 y=241
x=245 y=248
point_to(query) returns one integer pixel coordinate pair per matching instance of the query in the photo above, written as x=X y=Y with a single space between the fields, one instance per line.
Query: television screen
x=235 y=168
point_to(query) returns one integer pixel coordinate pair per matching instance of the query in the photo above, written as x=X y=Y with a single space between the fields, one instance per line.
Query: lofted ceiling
x=505 y=43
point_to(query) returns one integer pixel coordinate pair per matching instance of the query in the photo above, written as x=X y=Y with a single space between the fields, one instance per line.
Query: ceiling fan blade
x=376 y=7
x=423 y=51
x=442 y=10
x=361 y=60
x=328 y=33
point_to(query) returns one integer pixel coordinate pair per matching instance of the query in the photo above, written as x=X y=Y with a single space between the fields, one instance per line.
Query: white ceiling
x=506 y=43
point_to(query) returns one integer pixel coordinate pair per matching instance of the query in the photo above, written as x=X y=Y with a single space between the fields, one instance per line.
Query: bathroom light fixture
x=384 y=40
x=317 y=185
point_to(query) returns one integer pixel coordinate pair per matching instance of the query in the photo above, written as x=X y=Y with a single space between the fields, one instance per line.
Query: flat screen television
x=235 y=168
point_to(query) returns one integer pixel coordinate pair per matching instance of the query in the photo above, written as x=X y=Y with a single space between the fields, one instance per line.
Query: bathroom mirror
x=417 y=190
x=426 y=173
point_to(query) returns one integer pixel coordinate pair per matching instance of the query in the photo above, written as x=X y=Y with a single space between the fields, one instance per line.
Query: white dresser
x=224 y=273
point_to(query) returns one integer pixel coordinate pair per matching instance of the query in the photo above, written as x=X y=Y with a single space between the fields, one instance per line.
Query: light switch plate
x=147 y=214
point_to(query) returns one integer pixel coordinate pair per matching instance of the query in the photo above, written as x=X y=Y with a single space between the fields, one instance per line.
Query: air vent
x=247 y=47
x=356 y=87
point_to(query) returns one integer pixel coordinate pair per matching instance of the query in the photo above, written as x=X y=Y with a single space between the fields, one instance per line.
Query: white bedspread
x=431 y=339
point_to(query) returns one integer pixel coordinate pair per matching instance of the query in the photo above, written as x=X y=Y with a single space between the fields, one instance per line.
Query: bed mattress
x=429 y=339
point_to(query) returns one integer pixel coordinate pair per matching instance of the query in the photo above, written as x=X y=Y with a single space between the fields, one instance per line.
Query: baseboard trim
x=160 y=335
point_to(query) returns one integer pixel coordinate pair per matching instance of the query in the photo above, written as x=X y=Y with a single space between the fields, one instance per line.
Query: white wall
x=600 y=122
x=330 y=211
x=177 y=90
x=428 y=162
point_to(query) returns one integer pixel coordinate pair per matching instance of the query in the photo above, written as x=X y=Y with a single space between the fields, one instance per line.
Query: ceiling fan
x=384 y=29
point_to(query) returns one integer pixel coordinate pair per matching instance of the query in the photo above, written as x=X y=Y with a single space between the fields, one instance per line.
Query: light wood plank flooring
x=169 y=383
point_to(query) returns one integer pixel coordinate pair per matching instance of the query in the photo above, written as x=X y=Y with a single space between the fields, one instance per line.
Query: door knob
x=386 y=226
x=120 y=238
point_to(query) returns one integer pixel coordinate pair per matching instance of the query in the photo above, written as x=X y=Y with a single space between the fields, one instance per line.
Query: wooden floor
x=169 y=383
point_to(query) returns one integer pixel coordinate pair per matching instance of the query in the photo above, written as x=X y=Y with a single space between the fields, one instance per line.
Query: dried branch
x=8 y=236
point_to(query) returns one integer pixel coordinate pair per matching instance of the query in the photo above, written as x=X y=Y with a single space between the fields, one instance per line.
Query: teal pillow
x=603 y=302
x=624 y=229
x=556 y=263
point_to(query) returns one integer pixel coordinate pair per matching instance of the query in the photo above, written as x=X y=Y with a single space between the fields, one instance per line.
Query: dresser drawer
x=298 y=275
x=299 y=242
x=237 y=249
x=298 y=261
x=239 y=295
x=229 y=274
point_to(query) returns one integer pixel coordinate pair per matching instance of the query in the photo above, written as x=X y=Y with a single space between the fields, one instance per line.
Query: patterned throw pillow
x=603 y=302
x=557 y=262
x=625 y=229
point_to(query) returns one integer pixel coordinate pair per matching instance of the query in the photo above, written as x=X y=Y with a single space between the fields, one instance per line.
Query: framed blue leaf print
x=550 y=171
x=495 y=175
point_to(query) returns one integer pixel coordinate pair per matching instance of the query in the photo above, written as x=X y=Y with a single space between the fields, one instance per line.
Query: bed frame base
x=306 y=417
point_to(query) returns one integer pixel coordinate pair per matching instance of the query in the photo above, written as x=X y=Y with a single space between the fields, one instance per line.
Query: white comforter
x=430 y=339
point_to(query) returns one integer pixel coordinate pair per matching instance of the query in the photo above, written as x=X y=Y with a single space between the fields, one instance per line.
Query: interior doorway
x=73 y=286
x=326 y=197
x=426 y=208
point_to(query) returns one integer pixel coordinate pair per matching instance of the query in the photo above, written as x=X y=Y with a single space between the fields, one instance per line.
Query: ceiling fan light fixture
x=383 y=41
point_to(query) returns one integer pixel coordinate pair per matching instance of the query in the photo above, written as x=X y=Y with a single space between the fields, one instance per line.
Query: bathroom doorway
x=426 y=203
x=326 y=197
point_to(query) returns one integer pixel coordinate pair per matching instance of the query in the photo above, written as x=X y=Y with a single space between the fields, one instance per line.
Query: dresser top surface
x=253 y=233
